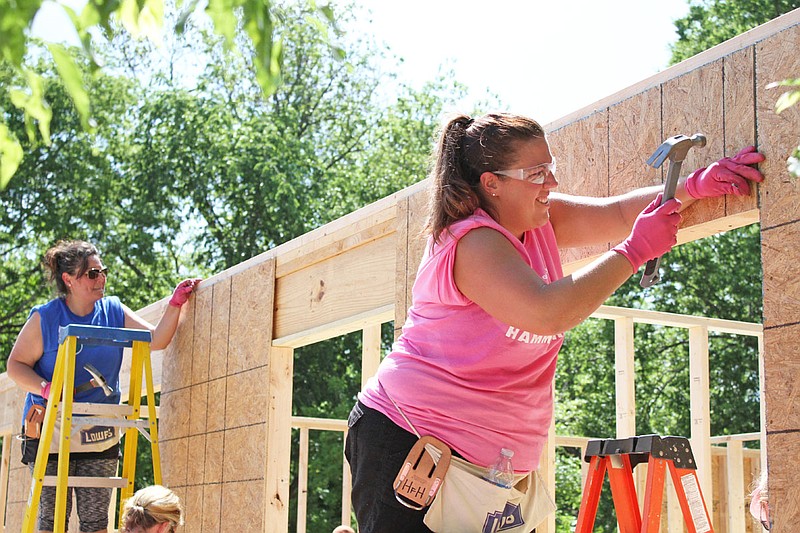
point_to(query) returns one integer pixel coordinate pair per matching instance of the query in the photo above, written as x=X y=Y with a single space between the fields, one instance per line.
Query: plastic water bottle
x=501 y=473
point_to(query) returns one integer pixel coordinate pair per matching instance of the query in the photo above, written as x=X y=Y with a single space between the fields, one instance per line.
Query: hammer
x=675 y=148
x=98 y=380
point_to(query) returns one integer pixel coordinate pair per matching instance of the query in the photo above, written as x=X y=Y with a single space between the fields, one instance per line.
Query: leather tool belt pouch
x=33 y=421
x=422 y=474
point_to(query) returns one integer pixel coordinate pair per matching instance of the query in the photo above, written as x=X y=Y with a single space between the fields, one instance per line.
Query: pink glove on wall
x=729 y=175
x=45 y=392
x=654 y=233
x=181 y=293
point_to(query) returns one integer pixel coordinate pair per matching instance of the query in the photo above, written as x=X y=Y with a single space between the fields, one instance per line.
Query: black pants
x=376 y=449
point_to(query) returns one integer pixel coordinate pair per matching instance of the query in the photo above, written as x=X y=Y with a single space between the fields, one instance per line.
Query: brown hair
x=71 y=257
x=466 y=149
x=151 y=506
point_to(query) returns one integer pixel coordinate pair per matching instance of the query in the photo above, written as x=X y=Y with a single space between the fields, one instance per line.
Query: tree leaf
x=33 y=105
x=787 y=100
x=72 y=80
x=10 y=155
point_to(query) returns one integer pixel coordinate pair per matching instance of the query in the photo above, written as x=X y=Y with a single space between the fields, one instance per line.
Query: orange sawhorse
x=618 y=457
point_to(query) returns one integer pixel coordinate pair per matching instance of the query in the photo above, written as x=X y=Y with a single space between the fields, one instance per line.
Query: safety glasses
x=92 y=273
x=536 y=174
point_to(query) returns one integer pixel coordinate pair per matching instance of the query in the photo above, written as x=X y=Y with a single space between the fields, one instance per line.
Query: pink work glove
x=181 y=293
x=654 y=233
x=729 y=175
x=45 y=392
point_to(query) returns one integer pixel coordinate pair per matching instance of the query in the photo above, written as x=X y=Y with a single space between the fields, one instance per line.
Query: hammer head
x=675 y=148
x=98 y=379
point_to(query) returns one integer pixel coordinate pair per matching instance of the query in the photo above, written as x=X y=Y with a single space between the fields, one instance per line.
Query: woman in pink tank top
x=475 y=362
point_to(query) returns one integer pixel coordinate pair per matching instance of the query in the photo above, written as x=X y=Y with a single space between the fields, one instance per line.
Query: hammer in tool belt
x=98 y=380
x=675 y=149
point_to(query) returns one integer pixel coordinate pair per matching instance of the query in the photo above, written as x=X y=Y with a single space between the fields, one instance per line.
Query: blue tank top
x=107 y=359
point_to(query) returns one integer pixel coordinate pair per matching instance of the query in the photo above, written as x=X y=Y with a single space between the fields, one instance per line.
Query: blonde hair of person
x=152 y=506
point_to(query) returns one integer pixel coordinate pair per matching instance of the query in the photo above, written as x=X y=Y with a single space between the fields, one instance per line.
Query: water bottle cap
x=507 y=452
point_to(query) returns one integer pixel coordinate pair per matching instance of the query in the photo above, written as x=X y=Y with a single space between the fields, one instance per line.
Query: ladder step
x=86 y=481
x=82 y=421
x=109 y=409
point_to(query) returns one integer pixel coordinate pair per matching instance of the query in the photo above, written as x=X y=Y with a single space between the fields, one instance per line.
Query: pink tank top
x=463 y=376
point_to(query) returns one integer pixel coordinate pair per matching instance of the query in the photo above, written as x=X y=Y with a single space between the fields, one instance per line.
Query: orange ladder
x=618 y=457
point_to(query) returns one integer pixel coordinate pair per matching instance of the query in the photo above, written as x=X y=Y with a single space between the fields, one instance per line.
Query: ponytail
x=466 y=149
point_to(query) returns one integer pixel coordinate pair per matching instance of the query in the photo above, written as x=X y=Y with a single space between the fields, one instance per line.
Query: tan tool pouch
x=33 y=421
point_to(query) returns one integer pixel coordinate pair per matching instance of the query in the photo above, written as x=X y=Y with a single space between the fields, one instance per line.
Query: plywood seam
x=778 y=326
x=777 y=226
x=782 y=431
x=254 y=424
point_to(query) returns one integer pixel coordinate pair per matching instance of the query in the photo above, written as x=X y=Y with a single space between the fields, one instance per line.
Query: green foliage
x=711 y=22
x=139 y=19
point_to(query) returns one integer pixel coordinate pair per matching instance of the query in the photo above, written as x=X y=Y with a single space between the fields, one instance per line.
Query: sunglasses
x=93 y=273
x=536 y=174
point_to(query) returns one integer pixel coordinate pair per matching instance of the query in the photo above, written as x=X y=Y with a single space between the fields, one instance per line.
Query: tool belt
x=458 y=497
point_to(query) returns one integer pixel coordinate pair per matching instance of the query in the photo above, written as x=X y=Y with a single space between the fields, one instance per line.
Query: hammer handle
x=651 y=276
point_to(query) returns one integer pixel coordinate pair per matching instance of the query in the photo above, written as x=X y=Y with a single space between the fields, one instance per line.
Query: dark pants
x=376 y=449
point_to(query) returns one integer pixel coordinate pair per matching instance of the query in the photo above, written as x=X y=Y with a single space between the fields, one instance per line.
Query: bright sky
x=544 y=59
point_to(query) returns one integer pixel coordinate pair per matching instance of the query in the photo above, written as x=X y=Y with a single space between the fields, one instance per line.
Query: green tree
x=145 y=19
x=711 y=22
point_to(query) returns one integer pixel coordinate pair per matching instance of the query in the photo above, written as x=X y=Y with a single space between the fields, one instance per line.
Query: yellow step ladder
x=61 y=395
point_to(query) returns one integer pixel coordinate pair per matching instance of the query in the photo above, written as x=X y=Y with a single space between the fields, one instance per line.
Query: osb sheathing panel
x=780 y=256
x=245 y=449
x=176 y=364
x=693 y=103
x=212 y=509
x=241 y=510
x=203 y=302
x=174 y=414
x=777 y=58
x=581 y=151
x=740 y=117
x=782 y=389
x=246 y=398
x=784 y=479
x=217 y=390
x=634 y=127
x=209 y=434
x=198 y=409
x=782 y=383
x=212 y=465
x=251 y=312
x=220 y=322
x=192 y=499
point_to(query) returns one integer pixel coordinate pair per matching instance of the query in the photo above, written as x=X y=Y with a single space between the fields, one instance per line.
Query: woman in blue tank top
x=79 y=277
